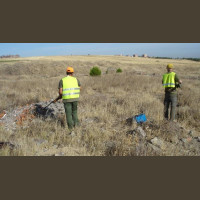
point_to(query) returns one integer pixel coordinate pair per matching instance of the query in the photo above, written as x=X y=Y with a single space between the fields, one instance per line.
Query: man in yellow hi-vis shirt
x=170 y=82
x=69 y=90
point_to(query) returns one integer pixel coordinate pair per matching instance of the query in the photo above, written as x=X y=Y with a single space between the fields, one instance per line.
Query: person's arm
x=79 y=84
x=59 y=96
x=177 y=79
x=60 y=91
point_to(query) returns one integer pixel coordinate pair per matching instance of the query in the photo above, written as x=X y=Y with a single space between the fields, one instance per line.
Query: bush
x=119 y=70
x=95 y=71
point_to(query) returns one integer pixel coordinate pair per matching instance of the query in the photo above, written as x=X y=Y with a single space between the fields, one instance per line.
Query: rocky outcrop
x=21 y=115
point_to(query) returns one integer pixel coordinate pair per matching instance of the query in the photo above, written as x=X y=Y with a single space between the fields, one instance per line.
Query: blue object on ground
x=140 y=118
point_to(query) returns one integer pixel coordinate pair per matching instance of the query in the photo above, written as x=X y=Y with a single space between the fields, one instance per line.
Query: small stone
x=140 y=131
x=72 y=133
x=192 y=133
x=59 y=154
x=159 y=143
x=183 y=140
x=189 y=139
x=110 y=144
x=186 y=140
x=174 y=139
x=111 y=147
x=154 y=147
x=40 y=141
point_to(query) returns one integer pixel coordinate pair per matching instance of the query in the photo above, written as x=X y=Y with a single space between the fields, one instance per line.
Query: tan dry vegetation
x=105 y=104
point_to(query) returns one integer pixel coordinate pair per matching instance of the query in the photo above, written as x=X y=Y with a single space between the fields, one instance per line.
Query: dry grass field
x=105 y=104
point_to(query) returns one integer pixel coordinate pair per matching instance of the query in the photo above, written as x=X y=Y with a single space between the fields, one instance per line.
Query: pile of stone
x=21 y=115
x=11 y=119
x=52 y=111
x=174 y=139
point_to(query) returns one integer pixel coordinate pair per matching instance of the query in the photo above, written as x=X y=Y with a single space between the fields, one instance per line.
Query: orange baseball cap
x=70 y=69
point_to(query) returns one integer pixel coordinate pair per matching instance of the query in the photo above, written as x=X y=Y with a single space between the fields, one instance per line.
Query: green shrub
x=95 y=71
x=119 y=70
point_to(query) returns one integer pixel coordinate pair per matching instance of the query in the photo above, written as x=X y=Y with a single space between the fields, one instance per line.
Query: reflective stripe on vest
x=169 y=80
x=71 y=90
x=70 y=94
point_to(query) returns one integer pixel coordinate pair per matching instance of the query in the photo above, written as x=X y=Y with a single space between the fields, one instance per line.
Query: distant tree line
x=163 y=57
x=193 y=59
x=10 y=56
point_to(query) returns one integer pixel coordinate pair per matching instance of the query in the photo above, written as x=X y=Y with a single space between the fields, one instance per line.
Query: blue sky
x=152 y=49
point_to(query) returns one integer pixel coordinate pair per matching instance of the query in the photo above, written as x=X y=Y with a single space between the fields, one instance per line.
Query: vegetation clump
x=95 y=71
x=119 y=70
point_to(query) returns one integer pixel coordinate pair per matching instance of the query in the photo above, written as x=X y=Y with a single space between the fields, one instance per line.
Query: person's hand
x=54 y=101
x=178 y=85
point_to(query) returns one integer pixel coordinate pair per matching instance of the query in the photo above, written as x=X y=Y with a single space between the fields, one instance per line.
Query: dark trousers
x=170 y=101
x=71 y=114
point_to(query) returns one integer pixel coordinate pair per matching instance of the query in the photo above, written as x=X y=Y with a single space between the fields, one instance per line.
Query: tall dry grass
x=105 y=104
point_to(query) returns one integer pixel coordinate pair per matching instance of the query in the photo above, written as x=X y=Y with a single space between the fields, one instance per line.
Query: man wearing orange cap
x=170 y=82
x=69 y=91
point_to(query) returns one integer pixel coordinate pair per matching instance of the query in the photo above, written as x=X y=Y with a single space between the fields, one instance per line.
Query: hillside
x=105 y=105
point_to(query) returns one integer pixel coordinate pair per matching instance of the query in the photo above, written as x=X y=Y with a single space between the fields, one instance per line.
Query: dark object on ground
x=43 y=111
x=129 y=121
x=48 y=105
x=7 y=144
x=131 y=132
